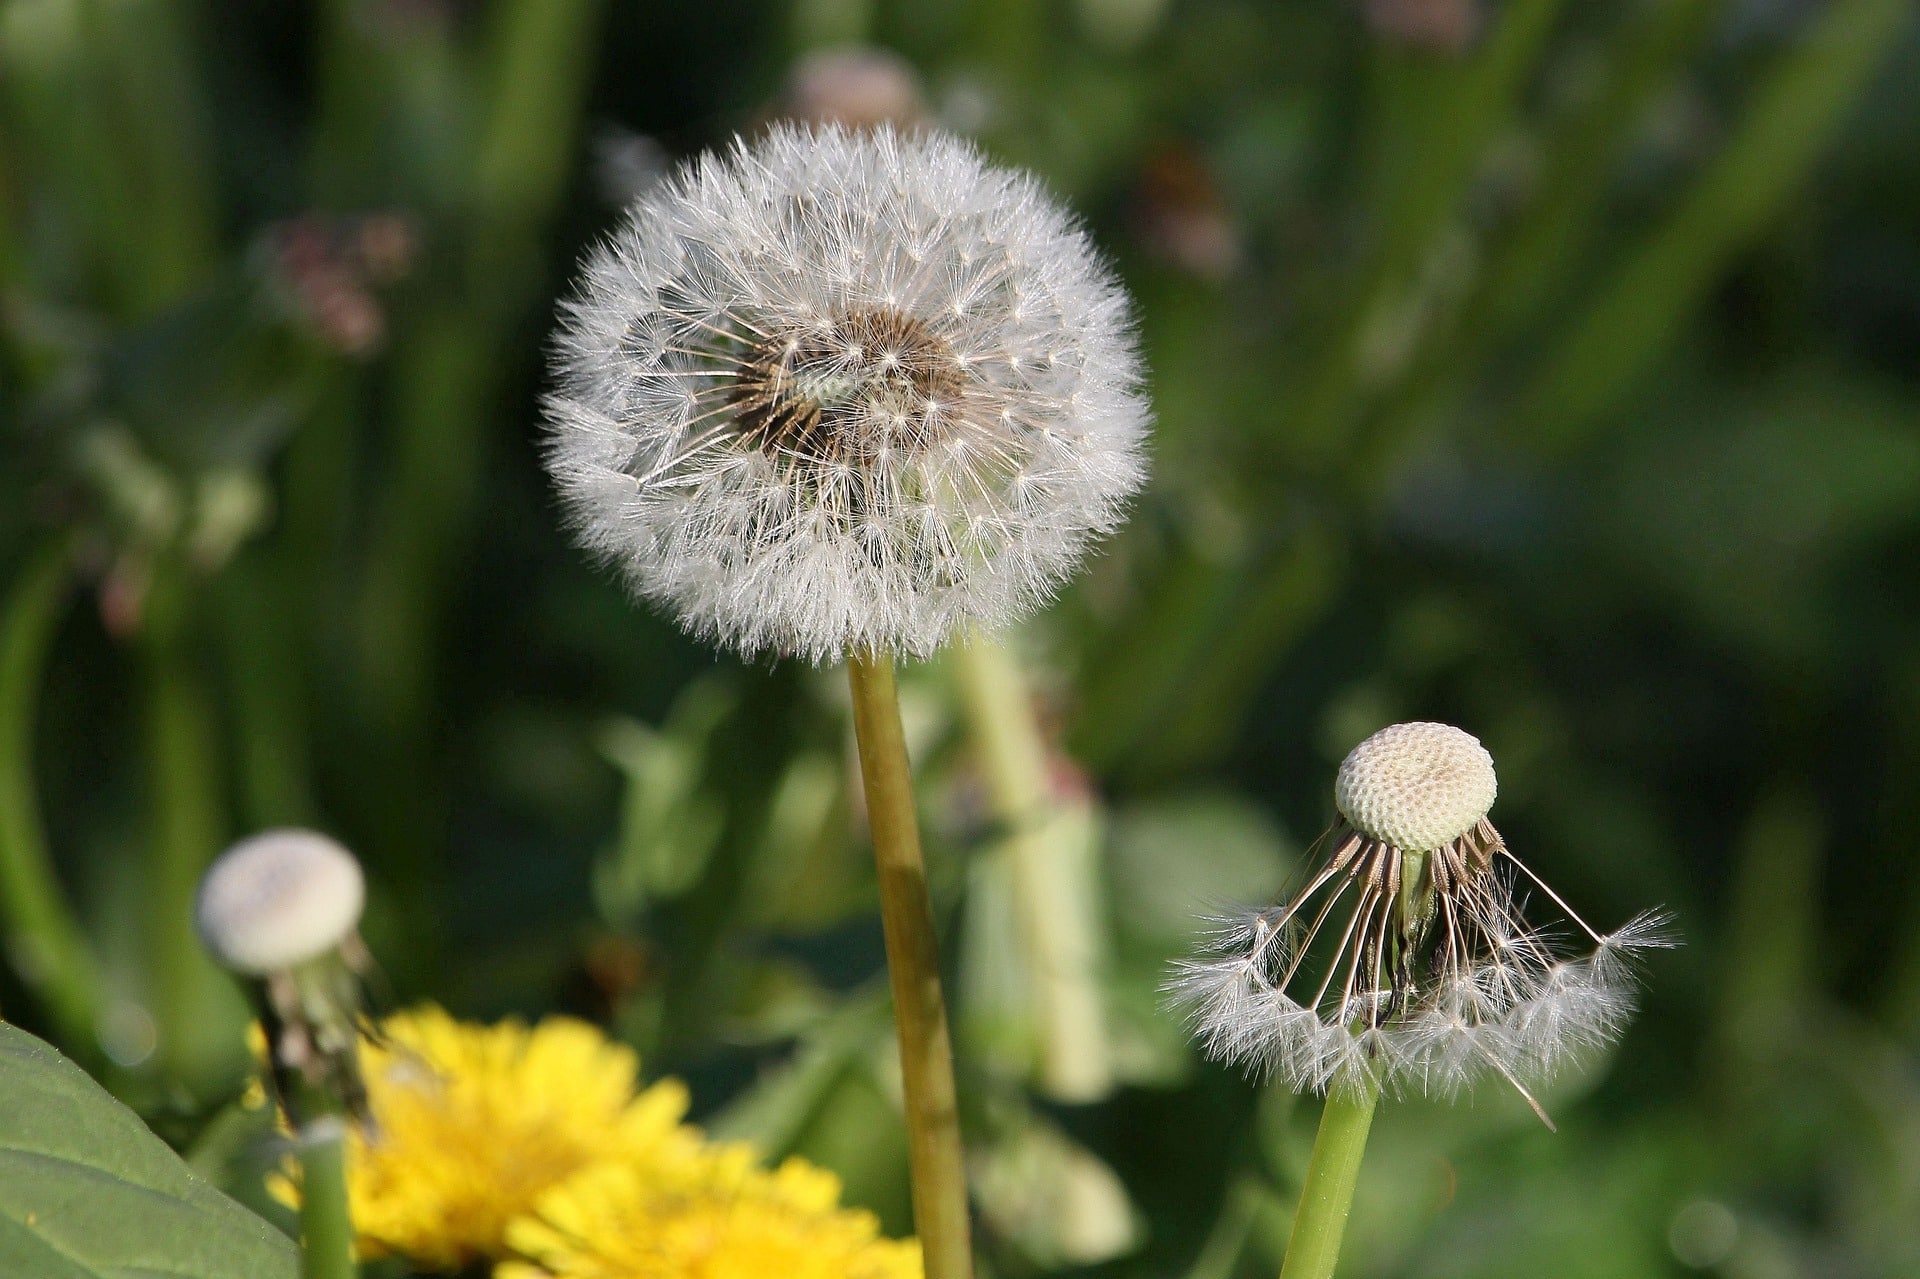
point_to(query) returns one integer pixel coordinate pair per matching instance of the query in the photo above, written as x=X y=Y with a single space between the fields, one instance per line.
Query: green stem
x=1054 y=900
x=1327 y=1195
x=913 y=967
x=45 y=942
x=326 y=1220
x=261 y=652
x=199 y=1017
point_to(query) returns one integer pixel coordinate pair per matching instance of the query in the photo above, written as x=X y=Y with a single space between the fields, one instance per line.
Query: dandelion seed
x=837 y=391
x=1405 y=958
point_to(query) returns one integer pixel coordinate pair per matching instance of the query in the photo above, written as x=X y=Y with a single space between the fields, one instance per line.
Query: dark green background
x=1560 y=383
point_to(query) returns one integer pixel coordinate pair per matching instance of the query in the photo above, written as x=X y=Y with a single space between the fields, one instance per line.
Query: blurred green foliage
x=1545 y=368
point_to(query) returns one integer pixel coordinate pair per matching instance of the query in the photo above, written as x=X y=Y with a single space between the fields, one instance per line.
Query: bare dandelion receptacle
x=1404 y=957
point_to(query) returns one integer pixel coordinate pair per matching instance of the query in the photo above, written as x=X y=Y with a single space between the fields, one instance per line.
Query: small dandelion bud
x=281 y=908
x=1416 y=786
x=278 y=900
x=840 y=391
x=1404 y=958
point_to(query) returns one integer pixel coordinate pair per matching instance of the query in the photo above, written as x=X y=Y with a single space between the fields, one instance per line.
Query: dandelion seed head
x=1405 y=958
x=838 y=390
x=279 y=899
x=1416 y=786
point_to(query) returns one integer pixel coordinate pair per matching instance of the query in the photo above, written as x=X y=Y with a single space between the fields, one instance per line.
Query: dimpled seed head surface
x=279 y=899
x=1416 y=786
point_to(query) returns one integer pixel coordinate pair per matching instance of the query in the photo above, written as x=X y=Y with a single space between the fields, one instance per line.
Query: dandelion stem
x=913 y=966
x=326 y=1222
x=1327 y=1196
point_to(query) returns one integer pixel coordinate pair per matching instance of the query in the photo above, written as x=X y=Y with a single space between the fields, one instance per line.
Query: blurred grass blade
x=1792 y=117
x=1287 y=593
x=1434 y=121
x=106 y=118
x=43 y=940
x=1053 y=864
x=1220 y=1256
x=1529 y=267
x=200 y=1015
x=777 y=1111
x=538 y=61
x=1179 y=689
x=1773 y=937
x=1569 y=200
x=670 y=821
x=447 y=372
x=261 y=616
x=159 y=176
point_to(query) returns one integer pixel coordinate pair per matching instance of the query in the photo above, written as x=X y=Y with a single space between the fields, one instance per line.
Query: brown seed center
x=871 y=380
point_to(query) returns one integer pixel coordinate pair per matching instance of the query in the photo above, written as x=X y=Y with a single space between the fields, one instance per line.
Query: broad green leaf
x=86 y=1192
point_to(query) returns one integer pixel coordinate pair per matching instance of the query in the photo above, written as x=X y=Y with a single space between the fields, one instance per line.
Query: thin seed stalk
x=326 y=1221
x=1327 y=1195
x=913 y=967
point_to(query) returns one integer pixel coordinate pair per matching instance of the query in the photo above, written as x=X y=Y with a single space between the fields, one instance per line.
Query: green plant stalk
x=262 y=659
x=326 y=1217
x=1220 y=1255
x=13 y=263
x=530 y=76
x=913 y=968
x=1283 y=591
x=1772 y=942
x=1054 y=906
x=1177 y=688
x=49 y=950
x=1326 y=1197
x=1435 y=121
x=1793 y=115
x=199 y=1018
x=1567 y=209
x=149 y=155
x=1529 y=267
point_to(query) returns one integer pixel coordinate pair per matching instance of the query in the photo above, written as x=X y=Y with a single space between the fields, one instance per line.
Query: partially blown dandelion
x=1428 y=975
x=835 y=392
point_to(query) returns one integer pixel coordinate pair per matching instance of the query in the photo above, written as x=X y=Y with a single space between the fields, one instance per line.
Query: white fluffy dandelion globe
x=835 y=391
x=278 y=899
x=1416 y=786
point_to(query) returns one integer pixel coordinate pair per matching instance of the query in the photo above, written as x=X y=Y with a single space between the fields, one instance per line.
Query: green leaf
x=86 y=1192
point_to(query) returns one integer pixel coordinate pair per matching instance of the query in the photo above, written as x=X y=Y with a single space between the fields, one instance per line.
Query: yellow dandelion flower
x=472 y=1124
x=731 y=1220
